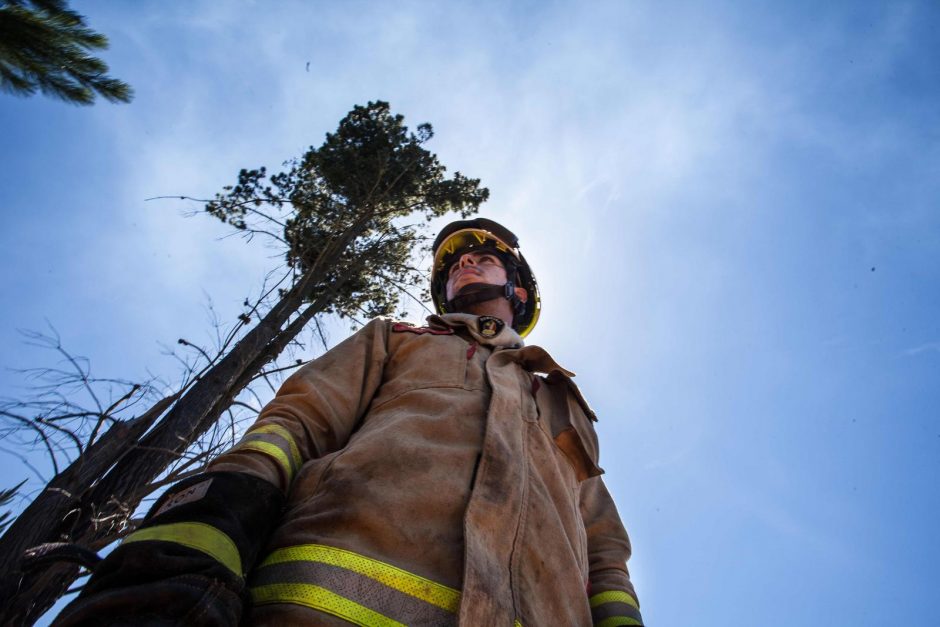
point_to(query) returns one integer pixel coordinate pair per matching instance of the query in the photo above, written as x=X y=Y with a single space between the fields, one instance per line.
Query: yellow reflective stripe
x=517 y=623
x=272 y=450
x=195 y=535
x=618 y=621
x=284 y=433
x=321 y=599
x=613 y=596
x=393 y=577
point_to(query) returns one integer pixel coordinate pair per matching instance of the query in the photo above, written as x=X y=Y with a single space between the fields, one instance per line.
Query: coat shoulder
x=399 y=326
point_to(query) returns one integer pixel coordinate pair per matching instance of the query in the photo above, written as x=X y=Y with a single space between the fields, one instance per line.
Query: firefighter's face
x=475 y=267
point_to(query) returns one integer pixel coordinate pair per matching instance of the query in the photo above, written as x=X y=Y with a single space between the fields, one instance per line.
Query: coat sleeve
x=314 y=412
x=612 y=597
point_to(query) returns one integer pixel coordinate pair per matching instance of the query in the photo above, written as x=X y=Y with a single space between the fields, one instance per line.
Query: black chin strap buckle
x=518 y=307
x=481 y=292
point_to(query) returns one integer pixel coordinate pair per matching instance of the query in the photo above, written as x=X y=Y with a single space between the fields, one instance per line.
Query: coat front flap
x=570 y=419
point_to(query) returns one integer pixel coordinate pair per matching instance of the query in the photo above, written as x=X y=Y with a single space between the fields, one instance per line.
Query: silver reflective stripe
x=276 y=442
x=359 y=589
x=614 y=608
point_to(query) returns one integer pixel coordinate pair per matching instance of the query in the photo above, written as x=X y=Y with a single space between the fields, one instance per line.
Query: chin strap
x=481 y=292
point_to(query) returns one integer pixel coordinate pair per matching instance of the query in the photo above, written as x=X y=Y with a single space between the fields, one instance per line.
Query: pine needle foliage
x=365 y=178
x=45 y=46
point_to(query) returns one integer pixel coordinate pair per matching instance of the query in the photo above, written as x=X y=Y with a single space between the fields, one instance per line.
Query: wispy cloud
x=929 y=347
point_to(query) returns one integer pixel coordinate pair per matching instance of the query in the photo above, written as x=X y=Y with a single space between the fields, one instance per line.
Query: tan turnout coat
x=435 y=477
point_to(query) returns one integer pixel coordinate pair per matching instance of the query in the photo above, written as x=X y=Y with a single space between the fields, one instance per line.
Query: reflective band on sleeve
x=613 y=596
x=614 y=608
x=393 y=577
x=272 y=450
x=618 y=621
x=284 y=433
x=276 y=442
x=321 y=599
x=199 y=536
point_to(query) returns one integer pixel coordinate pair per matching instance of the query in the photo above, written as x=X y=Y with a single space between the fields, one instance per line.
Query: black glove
x=186 y=563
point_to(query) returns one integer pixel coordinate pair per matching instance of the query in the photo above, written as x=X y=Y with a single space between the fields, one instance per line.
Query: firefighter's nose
x=466 y=259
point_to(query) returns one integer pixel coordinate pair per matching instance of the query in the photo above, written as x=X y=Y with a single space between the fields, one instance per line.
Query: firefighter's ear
x=522 y=294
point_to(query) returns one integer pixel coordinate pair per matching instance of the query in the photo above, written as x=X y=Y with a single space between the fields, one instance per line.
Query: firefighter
x=413 y=475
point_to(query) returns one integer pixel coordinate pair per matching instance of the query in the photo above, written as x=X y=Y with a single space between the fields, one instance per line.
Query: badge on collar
x=490 y=326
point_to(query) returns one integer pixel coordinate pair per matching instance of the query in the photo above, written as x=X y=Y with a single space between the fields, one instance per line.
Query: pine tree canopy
x=45 y=46
x=365 y=179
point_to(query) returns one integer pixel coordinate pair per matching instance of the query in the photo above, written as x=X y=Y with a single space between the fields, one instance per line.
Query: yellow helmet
x=462 y=236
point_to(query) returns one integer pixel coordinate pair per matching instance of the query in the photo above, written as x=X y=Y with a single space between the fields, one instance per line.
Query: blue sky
x=731 y=209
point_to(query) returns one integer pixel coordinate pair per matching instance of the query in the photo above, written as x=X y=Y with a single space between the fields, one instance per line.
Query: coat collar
x=506 y=338
x=532 y=358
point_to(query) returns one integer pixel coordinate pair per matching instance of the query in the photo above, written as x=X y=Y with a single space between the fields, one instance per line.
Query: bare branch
x=293 y=366
x=248 y=206
x=403 y=290
x=106 y=415
x=316 y=321
x=26 y=422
